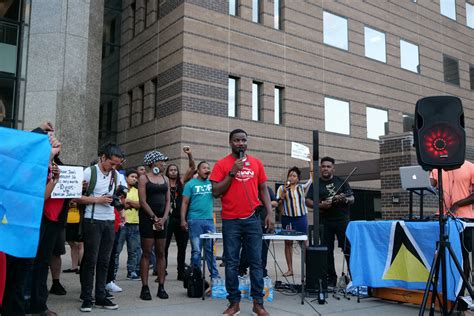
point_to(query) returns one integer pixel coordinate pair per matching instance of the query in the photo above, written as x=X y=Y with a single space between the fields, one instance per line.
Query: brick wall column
x=397 y=151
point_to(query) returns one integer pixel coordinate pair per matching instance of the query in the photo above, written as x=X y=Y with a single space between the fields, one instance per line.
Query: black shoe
x=145 y=293
x=162 y=293
x=109 y=295
x=57 y=289
x=71 y=270
x=81 y=298
x=106 y=303
x=86 y=306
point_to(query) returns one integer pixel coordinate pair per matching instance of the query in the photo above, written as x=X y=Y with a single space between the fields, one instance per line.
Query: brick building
x=189 y=71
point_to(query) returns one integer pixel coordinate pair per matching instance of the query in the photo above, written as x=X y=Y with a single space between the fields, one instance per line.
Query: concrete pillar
x=63 y=76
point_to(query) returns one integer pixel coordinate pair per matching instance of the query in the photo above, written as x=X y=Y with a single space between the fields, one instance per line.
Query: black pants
x=49 y=234
x=182 y=237
x=112 y=272
x=338 y=229
x=13 y=299
x=244 y=265
x=98 y=243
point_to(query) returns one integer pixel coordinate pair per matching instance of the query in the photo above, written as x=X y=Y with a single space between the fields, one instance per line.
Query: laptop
x=414 y=177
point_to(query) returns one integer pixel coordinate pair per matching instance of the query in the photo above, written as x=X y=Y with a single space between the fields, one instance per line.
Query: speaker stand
x=443 y=247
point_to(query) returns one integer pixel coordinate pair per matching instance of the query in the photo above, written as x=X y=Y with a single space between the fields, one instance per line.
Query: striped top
x=294 y=202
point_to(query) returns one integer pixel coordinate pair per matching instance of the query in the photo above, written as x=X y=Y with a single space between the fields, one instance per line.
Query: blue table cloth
x=400 y=254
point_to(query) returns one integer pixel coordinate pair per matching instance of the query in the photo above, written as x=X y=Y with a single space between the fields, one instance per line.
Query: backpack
x=194 y=283
x=88 y=192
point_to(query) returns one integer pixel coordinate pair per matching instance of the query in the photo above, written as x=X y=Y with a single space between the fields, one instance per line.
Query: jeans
x=130 y=234
x=338 y=229
x=49 y=233
x=243 y=266
x=98 y=242
x=245 y=232
x=182 y=237
x=196 y=228
x=112 y=270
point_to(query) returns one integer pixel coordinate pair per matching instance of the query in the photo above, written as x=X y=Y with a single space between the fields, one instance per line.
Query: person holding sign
x=291 y=199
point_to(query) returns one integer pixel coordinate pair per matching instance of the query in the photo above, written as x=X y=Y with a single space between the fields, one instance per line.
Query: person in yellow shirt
x=129 y=231
x=73 y=237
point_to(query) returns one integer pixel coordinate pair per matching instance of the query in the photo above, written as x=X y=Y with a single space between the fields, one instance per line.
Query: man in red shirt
x=240 y=181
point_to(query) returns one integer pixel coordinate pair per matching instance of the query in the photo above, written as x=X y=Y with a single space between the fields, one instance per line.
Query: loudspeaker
x=440 y=139
x=317 y=269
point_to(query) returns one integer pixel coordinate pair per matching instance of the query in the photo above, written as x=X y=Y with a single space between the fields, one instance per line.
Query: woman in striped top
x=293 y=209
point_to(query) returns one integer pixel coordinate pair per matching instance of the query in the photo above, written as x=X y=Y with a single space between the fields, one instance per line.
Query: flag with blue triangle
x=24 y=159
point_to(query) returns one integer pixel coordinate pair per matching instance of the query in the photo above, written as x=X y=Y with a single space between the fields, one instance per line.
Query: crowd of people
x=146 y=206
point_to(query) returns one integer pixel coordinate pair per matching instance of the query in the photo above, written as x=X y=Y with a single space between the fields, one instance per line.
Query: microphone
x=241 y=153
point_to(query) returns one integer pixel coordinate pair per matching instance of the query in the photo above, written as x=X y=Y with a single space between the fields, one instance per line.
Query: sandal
x=288 y=274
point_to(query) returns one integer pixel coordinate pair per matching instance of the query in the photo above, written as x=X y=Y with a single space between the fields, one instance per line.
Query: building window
x=376 y=122
x=256 y=11
x=154 y=98
x=335 y=31
x=470 y=15
x=336 y=116
x=256 y=101
x=141 y=95
x=451 y=70
x=409 y=57
x=278 y=105
x=277 y=14
x=233 y=7
x=133 y=16
x=232 y=97
x=471 y=76
x=375 y=44
x=448 y=8
x=130 y=107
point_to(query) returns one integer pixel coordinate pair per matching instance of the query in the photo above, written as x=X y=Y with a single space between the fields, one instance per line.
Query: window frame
x=348 y=116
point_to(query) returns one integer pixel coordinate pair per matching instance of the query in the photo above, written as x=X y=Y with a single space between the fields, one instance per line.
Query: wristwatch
x=231 y=174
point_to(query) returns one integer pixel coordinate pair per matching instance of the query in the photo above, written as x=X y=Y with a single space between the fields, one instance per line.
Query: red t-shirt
x=52 y=208
x=241 y=198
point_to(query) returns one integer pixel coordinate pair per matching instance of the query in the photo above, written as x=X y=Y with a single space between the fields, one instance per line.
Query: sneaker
x=145 y=293
x=109 y=295
x=57 y=289
x=86 y=306
x=112 y=287
x=133 y=276
x=83 y=300
x=233 y=309
x=106 y=303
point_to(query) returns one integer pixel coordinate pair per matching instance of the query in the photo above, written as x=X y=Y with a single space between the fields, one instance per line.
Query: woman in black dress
x=154 y=209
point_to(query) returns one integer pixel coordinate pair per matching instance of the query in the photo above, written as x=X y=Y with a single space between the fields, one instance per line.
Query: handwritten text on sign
x=70 y=183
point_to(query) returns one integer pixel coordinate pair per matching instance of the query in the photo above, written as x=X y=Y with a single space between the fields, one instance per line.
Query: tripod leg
x=429 y=282
x=460 y=270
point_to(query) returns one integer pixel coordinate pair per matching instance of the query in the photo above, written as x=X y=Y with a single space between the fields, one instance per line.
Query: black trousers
x=112 y=272
x=181 y=237
x=13 y=298
x=49 y=234
x=335 y=229
x=98 y=239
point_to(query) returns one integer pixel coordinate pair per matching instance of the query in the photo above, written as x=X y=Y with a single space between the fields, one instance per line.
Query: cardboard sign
x=299 y=151
x=69 y=185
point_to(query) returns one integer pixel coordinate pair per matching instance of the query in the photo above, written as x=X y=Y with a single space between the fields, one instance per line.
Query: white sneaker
x=112 y=287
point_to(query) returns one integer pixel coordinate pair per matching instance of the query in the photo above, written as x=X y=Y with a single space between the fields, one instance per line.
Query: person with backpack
x=98 y=225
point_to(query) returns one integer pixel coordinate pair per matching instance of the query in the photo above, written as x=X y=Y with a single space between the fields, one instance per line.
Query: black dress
x=156 y=199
